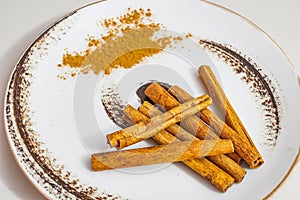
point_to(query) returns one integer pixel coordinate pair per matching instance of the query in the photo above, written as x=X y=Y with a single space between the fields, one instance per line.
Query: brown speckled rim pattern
x=297 y=158
x=49 y=182
x=213 y=4
x=259 y=29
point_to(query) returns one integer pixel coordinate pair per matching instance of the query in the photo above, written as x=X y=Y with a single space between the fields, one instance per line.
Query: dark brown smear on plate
x=56 y=181
x=259 y=84
x=114 y=107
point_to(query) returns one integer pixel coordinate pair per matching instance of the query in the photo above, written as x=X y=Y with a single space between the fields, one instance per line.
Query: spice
x=222 y=161
x=74 y=60
x=129 y=40
x=124 y=51
x=154 y=91
x=241 y=144
x=174 y=152
x=147 y=129
x=251 y=153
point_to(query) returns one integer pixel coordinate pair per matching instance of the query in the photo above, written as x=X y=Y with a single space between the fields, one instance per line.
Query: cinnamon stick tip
x=97 y=165
x=112 y=141
x=153 y=84
x=241 y=178
x=203 y=67
x=93 y=162
x=128 y=108
x=257 y=163
x=224 y=187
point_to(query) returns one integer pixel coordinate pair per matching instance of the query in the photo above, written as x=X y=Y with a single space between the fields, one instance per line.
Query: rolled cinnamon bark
x=205 y=168
x=219 y=126
x=235 y=157
x=251 y=154
x=193 y=124
x=150 y=127
x=225 y=163
x=196 y=127
x=173 y=152
x=163 y=98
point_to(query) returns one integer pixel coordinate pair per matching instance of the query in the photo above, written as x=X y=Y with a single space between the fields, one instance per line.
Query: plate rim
x=297 y=158
x=37 y=186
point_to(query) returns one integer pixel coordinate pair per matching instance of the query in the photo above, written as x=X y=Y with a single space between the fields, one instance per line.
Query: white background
x=22 y=21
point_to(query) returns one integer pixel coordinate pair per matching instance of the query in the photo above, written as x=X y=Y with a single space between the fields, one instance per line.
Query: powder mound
x=129 y=40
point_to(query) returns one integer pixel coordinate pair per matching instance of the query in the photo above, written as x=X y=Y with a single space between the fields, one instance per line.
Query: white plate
x=53 y=125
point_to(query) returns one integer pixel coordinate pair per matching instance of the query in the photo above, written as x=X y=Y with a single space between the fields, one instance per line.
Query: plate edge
x=44 y=31
x=259 y=29
x=295 y=162
x=297 y=158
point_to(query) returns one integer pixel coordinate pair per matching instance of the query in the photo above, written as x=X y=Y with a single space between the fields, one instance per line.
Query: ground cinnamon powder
x=130 y=39
x=74 y=60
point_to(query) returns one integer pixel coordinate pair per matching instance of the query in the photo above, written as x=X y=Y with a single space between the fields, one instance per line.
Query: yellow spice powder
x=124 y=51
x=130 y=39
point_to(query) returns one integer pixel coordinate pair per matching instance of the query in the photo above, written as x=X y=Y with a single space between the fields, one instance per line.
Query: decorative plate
x=64 y=94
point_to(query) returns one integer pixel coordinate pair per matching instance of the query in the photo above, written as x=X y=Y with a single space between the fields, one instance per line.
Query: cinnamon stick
x=193 y=124
x=219 y=126
x=253 y=157
x=173 y=152
x=219 y=178
x=225 y=163
x=201 y=130
x=235 y=157
x=150 y=127
x=158 y=95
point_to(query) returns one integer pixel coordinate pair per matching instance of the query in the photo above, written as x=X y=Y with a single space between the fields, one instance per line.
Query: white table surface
x=22 y=21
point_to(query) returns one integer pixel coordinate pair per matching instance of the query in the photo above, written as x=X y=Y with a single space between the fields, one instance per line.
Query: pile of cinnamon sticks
x=186 y=131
